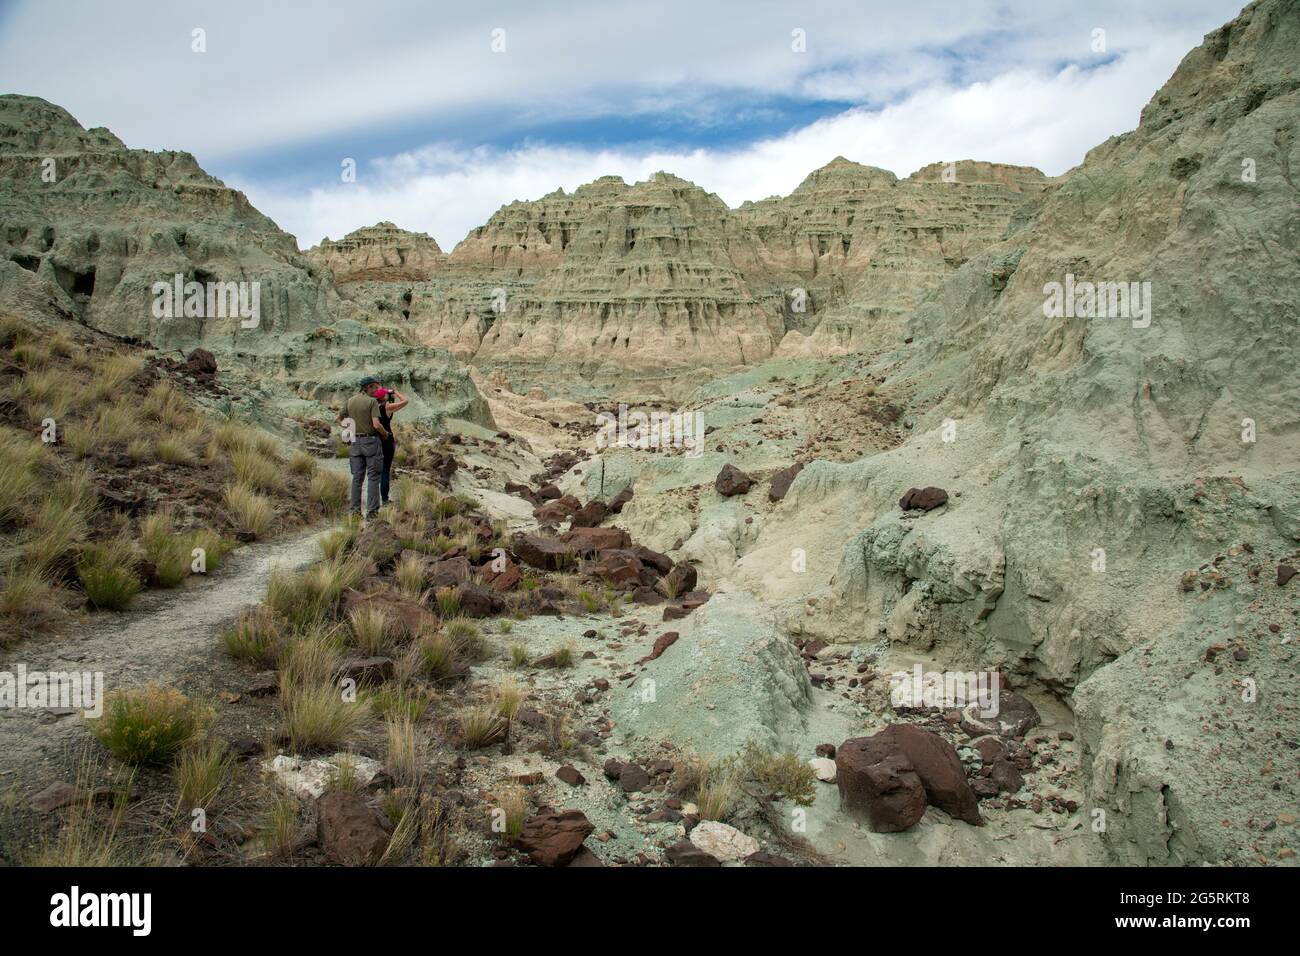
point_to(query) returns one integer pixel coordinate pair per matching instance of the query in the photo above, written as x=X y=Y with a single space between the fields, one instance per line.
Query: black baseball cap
x=369 y=380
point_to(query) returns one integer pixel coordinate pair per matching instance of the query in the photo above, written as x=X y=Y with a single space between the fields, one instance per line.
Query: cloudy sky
x=450 y=110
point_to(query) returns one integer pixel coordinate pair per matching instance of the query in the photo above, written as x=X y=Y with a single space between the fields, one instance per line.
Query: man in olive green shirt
x=366 y=458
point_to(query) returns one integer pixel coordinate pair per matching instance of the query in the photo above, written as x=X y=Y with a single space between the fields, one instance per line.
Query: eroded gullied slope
x=1122 y=489
x=103 y=235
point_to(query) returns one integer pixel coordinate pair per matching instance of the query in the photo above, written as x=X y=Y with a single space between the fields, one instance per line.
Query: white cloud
x=1025 y=117
x=283 y=74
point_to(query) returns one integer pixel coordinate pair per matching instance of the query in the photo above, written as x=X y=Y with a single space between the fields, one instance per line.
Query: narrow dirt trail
x=162 y=636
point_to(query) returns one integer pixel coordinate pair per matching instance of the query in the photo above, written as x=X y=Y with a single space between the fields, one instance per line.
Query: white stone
x=311 y=778
x=722 y=842
x=824 y=767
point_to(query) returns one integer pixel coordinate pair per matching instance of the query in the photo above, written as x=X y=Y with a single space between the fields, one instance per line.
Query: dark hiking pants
x=366 y=459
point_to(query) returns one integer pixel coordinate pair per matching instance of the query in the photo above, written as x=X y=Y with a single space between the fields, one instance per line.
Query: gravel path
x=161 y=637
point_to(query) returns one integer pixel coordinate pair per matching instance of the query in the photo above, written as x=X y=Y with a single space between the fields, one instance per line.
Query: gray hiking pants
x=366 y=459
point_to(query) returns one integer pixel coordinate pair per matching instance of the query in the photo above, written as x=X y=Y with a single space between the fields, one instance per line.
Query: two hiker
x=373 y=446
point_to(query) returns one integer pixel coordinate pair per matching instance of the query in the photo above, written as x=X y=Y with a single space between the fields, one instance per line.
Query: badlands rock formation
x=89 y=227
x=658 y=277
x=941 y=469
x=379 y=253
x=1121 y=494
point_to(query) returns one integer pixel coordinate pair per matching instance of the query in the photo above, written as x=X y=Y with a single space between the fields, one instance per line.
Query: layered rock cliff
x=379 y=253
x=147 y=247
x=659 y=277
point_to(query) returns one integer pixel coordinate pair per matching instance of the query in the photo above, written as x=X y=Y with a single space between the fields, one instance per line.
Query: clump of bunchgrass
x=107 y=574
x=149 y=725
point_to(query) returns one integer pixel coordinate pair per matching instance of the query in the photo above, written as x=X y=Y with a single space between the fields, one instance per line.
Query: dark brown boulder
x=686 y=853
x=923 y=499
x=522 y=491
x=553 y=838
x=500 y=581
x=622 y=569
x=1284 y=574
x=882 y=788
x=366 y=670
x=591 y=540
x=201 y=362
x=633 y=778
x=585 y=857
x=548 y=493
x=660 y=562
x=406 y=618
x=570 y=775
x=542 y=552
x=448 y=572
x=763 y=858
x=645 y=595
x=476 y=601
x=590 y=514
x=990 y=748
x=619 y=500
x=925 y=753
x=732 y=481
x=1005 y=776
x=554 y=512
x=350 y=831
x=782 y=480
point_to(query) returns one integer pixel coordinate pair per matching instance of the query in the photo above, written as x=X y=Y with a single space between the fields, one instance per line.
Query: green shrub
x=148 y=725
x=107 y=575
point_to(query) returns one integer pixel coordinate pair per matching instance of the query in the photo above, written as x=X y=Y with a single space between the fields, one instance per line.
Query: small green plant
x=282 y=826
x=388 y=702
x=214 y=547
x=507 y=697
x=329 y=489
x=302 y=463
x=717 y=796
x=27 y=594
x=256 y=471
x=564 y=655
x=165 y=549
x=781 y=775
x=256 y=637
x=148 y=725
x=518 y=656
x=410 y=576
x=311 y=658
x=479 y=726
x=589 y=602
x=173 y=451
x=505 y=625
x=448 y=601
x=512 y=801
x=201 y=772
x=404 y=758
x=317 y=717
x=370 y=628
x=439 y=658
x=248 y=510
x=107 y=574
x=334 y=544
